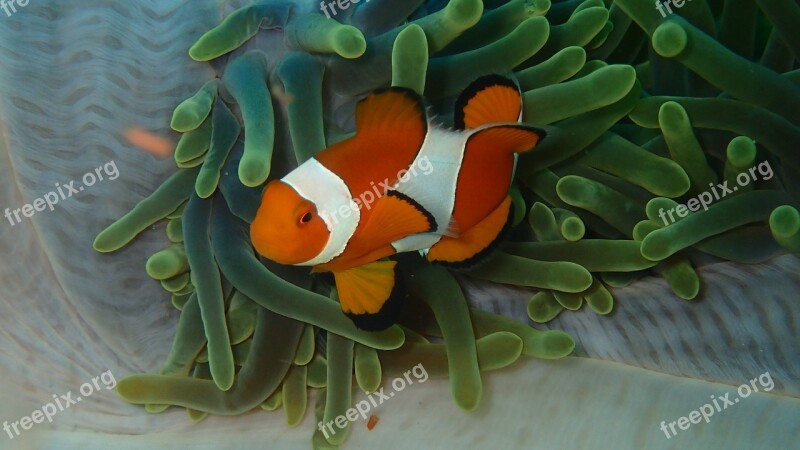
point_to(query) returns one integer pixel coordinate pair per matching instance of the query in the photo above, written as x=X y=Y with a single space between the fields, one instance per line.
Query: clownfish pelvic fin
x=370 y=294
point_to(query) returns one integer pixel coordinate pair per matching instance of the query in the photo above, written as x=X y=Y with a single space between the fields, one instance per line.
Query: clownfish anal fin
x=473 y=245
x=396 y=112
x=489 y=99
x=370 y=295
x=395 y=216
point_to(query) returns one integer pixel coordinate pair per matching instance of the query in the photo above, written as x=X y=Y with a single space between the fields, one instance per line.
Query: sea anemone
x=670 y=145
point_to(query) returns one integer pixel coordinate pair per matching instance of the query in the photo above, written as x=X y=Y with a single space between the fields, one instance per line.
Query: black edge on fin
x=389 y=312
x=541 y=132
x=480 y=257
x=431 y=220
x=407 y=92
x=472 y=90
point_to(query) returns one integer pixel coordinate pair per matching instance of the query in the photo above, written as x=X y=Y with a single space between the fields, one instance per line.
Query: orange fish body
x=400 y=184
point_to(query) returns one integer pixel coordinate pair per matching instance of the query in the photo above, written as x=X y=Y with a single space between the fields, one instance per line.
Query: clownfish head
x=288 y=228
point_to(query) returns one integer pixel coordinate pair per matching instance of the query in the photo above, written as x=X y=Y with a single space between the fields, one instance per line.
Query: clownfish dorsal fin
x=370 y=295
x=391 y=126
x=396 y=112
x=395 y=216
x=489 y=99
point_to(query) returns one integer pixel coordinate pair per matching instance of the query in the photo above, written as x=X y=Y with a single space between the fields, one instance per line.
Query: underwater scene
x=403 y=224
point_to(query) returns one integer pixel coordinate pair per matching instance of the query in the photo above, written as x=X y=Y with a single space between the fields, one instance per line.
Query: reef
x=647 y=116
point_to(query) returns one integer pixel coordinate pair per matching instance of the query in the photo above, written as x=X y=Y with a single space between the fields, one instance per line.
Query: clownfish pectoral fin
x=476 y=243
x=370 y=295
x=395 y=216
x=489 y=99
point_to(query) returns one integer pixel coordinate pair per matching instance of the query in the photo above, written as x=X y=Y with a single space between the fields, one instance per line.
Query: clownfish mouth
x=274 y=248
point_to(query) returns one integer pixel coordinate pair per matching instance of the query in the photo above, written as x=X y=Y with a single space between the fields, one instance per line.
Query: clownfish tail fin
x=504 y=139
x=489 y=99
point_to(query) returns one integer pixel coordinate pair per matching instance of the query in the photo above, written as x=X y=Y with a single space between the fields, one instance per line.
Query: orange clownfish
x=401 y=184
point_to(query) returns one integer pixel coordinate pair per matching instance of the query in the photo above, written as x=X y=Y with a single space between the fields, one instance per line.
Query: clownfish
x=452 y=211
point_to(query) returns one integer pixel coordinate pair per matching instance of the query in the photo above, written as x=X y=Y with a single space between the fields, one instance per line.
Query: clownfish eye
x=306 y=218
